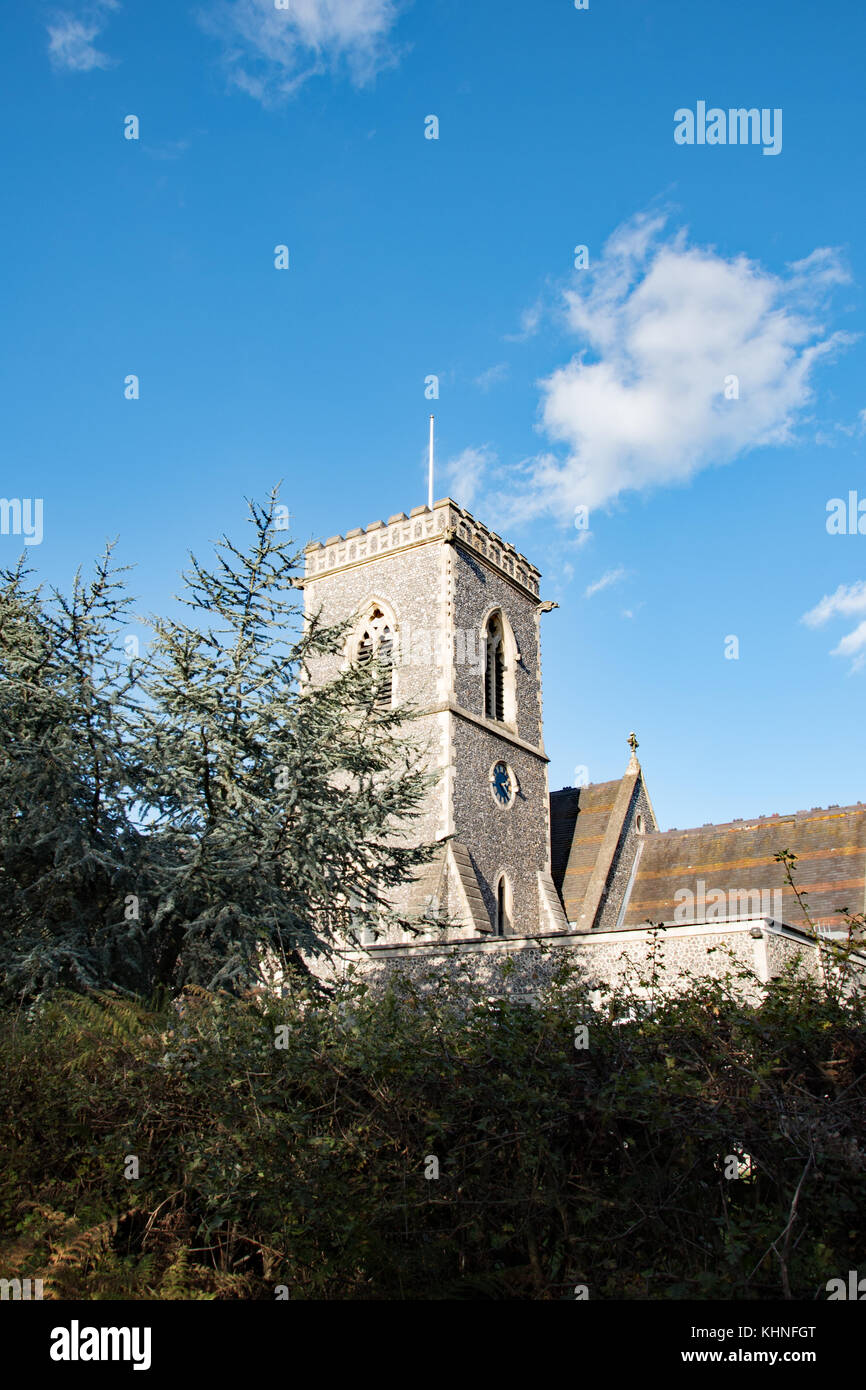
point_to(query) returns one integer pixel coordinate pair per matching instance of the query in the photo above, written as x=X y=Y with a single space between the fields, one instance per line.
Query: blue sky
x=559 y=387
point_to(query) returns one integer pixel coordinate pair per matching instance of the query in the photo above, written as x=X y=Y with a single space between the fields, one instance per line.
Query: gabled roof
x=563 y=817
x=737 y=859
x=579 y=819
x=586 y=826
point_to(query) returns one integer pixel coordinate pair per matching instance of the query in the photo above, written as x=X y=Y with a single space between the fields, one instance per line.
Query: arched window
x=503 y=914
x=377 y=640
x=494 y=669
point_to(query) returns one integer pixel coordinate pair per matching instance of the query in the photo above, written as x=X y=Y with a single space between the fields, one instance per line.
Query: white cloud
x=70 y=38
x=854 y=642
x=492 y=376
x=820 y=269
x=610 y=577
x=661 y=325
x=270 y=53
x=168 y=149
x=463 y=474
x=530 y=322
x=848 y=601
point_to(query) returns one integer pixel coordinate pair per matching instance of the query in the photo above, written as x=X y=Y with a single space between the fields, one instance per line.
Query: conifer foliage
x=205 y=815
x=68 y=844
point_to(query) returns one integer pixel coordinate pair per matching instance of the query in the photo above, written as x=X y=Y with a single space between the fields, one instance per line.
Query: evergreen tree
x=208 y=816
x=279 y=811
x=67 y=844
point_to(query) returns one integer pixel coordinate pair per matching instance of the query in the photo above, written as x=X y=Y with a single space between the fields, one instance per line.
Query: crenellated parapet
x=446 y=522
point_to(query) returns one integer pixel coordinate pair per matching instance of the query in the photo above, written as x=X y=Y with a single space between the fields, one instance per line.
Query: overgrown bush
x=286 y=1145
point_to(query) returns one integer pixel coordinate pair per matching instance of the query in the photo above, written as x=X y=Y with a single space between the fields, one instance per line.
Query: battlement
x=446 y=522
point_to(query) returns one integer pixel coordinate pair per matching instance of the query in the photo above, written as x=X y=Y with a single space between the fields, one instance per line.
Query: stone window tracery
x=500 y=655
x=377 y=641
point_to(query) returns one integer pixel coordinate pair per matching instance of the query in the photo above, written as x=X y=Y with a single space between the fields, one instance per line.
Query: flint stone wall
x=609 y=959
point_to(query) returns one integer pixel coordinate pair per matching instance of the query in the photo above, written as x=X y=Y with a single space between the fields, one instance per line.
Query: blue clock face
x=502 y=784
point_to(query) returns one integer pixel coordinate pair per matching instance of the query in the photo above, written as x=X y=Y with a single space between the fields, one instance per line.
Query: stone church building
x=456 y=613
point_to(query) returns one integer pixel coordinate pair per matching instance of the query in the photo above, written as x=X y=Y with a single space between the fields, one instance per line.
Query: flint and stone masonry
x=522 y=876
x=437 y=578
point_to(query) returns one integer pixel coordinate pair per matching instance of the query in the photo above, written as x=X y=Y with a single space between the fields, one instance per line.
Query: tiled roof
x=737 y=860
x=580 y=820
x=563 y=814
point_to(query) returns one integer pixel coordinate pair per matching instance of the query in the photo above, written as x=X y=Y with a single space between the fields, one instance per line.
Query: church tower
x=457 y=611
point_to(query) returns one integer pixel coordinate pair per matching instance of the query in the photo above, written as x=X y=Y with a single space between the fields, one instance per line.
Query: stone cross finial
x=633 y=764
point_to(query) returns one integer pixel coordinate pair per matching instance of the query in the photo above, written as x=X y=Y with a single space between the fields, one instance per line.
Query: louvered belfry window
x=494 y=671
x=378 y=640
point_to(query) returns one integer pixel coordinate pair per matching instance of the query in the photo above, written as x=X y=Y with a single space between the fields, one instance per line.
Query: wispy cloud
x=168 y=149
x=530 y=322
x=269 y=53
x=610 y=577
x=71 y=46
x=492 y=376
x=848 y=601
x=464 y=474
x=686 y=358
